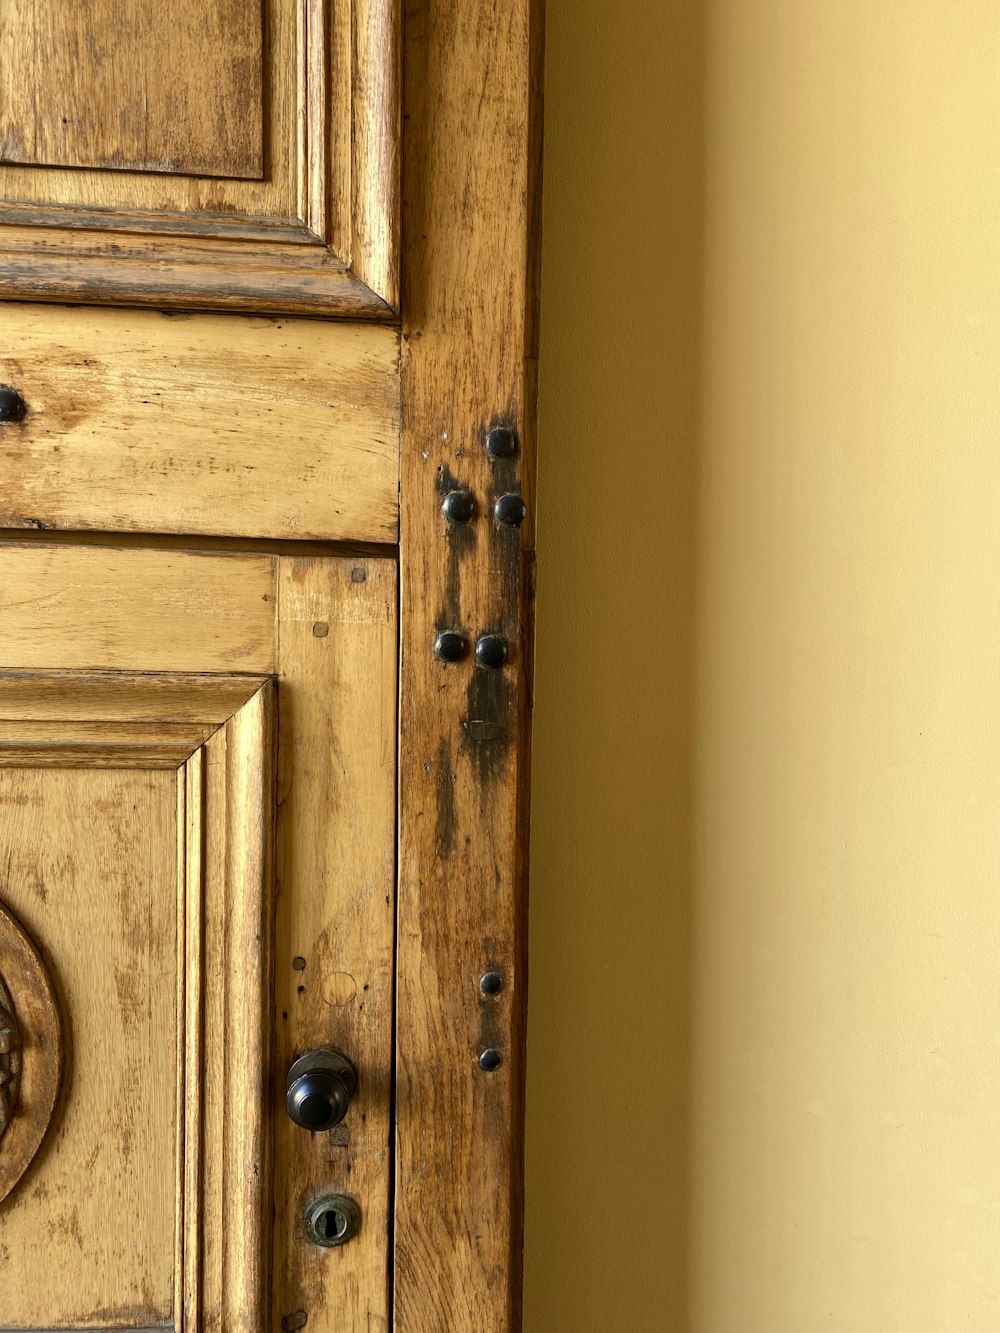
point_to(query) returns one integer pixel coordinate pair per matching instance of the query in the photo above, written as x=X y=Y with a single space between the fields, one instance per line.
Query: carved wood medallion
x=30 y=1052
x=10 y=1058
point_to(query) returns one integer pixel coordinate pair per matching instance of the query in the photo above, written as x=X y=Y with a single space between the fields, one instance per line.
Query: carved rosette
x=10 y=1058
x=31 y=1052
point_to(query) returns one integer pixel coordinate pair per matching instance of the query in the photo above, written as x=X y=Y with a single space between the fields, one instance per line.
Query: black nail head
x=490 y=1060
x=491 y=651
x=509 y=510
x=12 y=405
x=501 y=442
x=458 y=506
x=491 y=983
x=450 y=646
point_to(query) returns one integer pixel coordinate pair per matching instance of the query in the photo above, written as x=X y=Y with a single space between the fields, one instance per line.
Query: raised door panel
x=158 y=943
x=134 y=85
x=197 y=862
x=206 y=153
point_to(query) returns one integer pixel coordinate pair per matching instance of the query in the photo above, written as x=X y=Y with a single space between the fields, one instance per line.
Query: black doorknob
x=319 y=1088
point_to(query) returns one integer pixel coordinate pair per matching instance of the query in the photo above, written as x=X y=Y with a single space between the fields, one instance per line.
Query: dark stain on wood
x=445 y=821
x=460 y=539
x=489 y=723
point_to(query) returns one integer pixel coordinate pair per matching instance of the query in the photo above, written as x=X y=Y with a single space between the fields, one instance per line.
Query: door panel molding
x=226 y=919
x=225 y=908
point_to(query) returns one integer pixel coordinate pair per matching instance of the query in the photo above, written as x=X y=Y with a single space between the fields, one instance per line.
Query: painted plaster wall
x=764 y=1048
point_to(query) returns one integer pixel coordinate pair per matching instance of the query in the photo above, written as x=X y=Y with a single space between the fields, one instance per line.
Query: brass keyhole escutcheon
x=31 y=1051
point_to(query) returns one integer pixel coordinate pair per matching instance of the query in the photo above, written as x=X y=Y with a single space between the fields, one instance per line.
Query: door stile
x=470 y=216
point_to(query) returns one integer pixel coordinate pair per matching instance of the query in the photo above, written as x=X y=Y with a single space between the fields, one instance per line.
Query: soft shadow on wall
x=610 y=859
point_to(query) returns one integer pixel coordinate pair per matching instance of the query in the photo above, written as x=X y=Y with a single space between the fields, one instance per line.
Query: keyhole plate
x=33 y=1063
x=332 y=1219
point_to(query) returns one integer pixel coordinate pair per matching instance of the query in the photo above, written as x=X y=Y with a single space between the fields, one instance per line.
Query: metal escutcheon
x=332 y=1219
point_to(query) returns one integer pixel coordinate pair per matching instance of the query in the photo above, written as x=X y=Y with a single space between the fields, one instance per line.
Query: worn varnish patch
x=445 y=822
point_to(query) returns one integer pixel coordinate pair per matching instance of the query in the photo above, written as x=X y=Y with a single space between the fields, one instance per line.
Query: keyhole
x=332 y=1219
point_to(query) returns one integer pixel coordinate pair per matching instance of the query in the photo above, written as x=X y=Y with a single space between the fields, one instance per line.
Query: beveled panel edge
x=223 y=1277
x=376 y=148
x=115 y=720
x=316 y=286
x=171 y=697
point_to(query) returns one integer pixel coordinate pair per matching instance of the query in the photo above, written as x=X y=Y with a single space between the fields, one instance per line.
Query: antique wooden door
x=266 y=411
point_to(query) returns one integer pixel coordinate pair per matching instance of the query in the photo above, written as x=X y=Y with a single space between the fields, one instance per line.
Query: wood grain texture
x=336 y=923
x=138 y=422
x=317 y=233
x=88 y=862
x=74 y=607
x=470 y=180
x=99 y=744
x=121 y=200
x=127 y=84
x=205 y=700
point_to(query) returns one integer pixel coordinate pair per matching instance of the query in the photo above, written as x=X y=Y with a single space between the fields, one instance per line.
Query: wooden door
x=260 y=318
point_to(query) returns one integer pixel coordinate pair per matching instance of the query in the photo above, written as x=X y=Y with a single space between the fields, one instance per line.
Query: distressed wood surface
x=331 y=625
x=88 y=861
x=292 y=206
x=78 y=607
x=469 y=212
x=123 y=83
x=139 y=422
x=336 y=923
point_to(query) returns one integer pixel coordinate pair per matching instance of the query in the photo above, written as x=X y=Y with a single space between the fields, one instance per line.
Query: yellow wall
x=764 y=1046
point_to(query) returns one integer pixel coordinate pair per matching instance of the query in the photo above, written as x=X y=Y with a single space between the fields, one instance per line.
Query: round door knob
x=319 y=1089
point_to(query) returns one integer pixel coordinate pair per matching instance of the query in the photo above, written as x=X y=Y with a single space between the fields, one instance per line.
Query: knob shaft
x=319 y=1089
